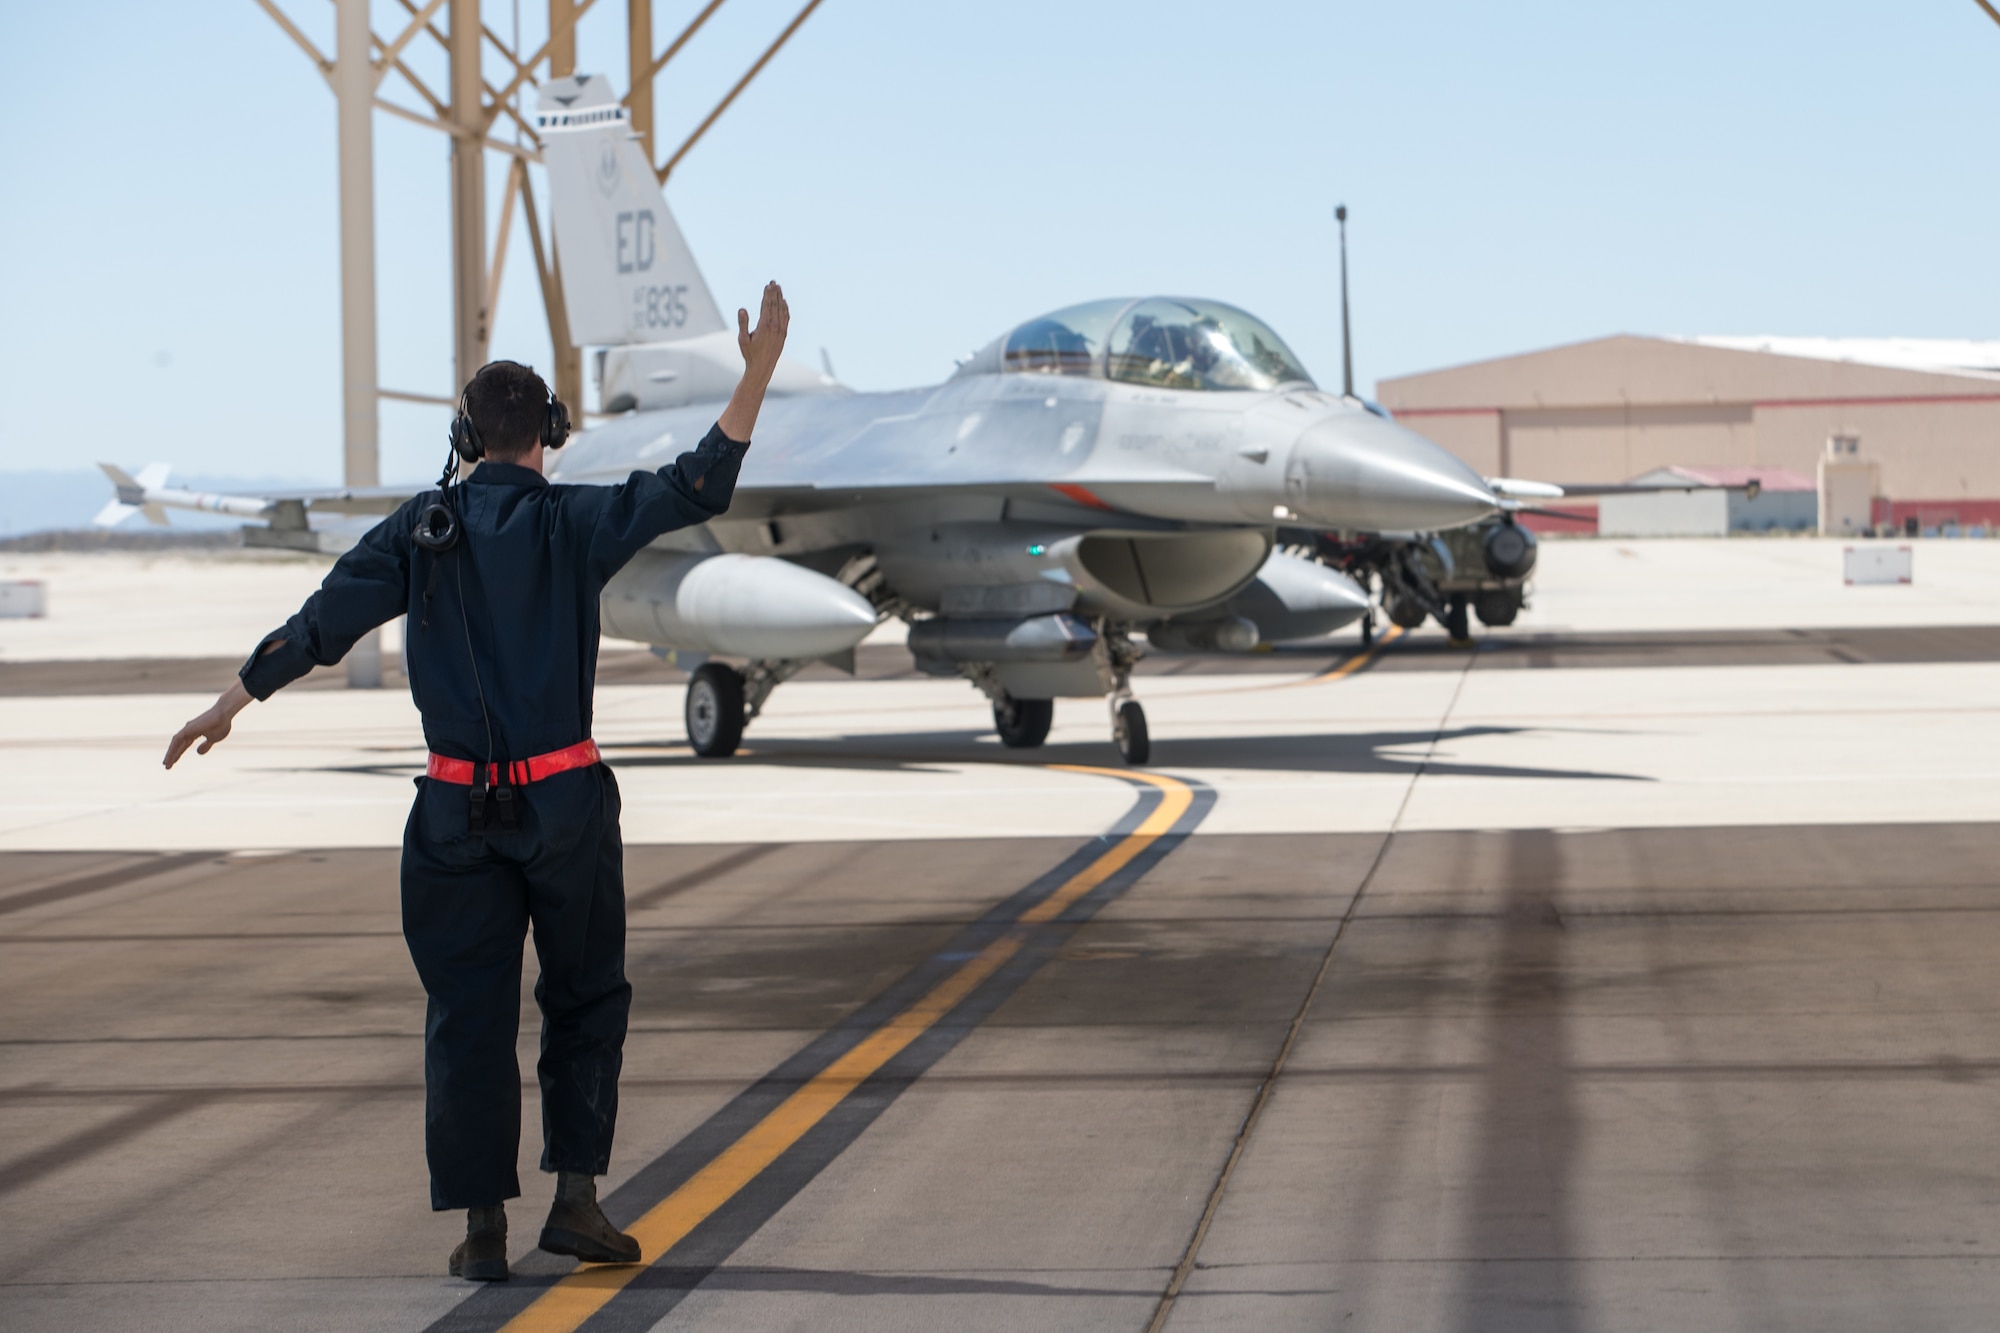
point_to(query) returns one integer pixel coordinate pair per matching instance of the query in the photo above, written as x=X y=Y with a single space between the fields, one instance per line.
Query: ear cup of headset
x=437 y=526
x=555 y=430
x=465 y=441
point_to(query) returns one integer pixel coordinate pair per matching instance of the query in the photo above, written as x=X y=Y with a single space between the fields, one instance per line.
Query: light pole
x=354 y=78
x=1346 y=343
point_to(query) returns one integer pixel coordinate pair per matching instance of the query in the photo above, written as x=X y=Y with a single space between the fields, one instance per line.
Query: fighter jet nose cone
x=1365 y=473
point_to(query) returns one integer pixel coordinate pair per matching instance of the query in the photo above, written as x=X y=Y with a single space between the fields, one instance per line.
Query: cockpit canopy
x=1165 y=342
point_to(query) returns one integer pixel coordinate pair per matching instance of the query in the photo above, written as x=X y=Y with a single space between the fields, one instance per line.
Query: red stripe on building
x=1936 y=513
x=1579 y=520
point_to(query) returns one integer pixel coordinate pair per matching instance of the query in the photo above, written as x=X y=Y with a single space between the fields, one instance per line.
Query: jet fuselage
x=835 y=471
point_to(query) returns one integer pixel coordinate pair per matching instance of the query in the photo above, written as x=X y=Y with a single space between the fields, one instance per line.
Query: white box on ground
x=1664 y=513
x=23 y=599
x=1876 y=564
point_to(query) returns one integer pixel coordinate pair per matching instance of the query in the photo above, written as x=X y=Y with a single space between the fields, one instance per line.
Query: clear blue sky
x=922 y=176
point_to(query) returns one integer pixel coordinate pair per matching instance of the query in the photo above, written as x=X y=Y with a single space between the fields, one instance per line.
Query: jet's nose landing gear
x=1128 y=729
x=1116 y=655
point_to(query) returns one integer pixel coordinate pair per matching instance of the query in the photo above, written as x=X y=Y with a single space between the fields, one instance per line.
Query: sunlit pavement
x=1619 y=997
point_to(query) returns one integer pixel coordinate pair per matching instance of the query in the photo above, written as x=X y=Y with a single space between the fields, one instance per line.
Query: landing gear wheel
x=1128 y=728
x=1404 y=612
x=1497 y=606
x=1455 y=622
x=1023 y=723
x=714 y=710
x=1368 y=630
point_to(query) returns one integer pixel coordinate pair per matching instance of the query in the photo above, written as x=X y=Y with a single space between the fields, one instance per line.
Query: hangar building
x=1927 y=412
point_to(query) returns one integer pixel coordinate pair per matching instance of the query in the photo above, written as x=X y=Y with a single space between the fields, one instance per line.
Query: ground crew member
x=515 y=825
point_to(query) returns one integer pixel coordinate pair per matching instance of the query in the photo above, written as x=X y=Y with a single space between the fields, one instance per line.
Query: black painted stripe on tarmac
x=667 y=1281
x=700 y=875
x=107 y=879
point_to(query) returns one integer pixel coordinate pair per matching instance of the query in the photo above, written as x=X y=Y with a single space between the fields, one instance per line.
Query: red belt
x=581 y=755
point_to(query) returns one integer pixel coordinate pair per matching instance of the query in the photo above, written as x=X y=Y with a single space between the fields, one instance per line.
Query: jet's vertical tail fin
x=627 y=274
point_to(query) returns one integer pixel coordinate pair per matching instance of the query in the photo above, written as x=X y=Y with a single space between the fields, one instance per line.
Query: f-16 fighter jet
x=1111 y=471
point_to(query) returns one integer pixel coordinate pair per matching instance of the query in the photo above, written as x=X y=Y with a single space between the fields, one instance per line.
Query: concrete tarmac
x=1718 y=1078
x=1599 y=979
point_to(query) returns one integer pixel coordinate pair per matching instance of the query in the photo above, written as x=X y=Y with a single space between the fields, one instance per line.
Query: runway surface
x=1591 y=980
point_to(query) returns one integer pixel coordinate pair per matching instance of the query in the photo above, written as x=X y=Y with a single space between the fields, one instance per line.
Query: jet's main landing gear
x=1498 y=606
x=1455 y=622
x=1404 y=612
x=1023 y=724
x=713 y=710
x=721 y=701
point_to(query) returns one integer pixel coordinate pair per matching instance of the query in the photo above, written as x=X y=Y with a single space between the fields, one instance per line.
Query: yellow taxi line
x=582 y=1293
x=1351 y=665
x=1341 y=672
x=1177 y=797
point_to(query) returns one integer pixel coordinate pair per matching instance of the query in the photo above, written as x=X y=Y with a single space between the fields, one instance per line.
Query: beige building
x=1926 y=411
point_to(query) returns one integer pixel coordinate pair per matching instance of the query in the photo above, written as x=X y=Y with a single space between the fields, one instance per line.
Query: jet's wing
x=287 y=515
x=1515 y=488
x=1518 y=496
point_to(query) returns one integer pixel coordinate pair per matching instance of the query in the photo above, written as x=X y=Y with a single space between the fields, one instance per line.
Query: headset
x=437 y=530
x=437 y=523
x=465 y=441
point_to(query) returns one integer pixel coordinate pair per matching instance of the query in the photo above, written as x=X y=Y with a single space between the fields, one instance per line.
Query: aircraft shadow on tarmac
x=1380 y=753
x=1386 y=753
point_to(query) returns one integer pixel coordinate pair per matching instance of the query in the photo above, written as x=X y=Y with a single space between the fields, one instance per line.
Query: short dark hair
x=508 y=403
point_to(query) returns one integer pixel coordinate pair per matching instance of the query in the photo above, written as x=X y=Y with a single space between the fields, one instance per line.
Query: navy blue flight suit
x=517 y=598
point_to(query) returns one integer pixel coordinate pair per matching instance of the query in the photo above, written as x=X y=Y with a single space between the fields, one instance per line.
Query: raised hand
x=761 y=347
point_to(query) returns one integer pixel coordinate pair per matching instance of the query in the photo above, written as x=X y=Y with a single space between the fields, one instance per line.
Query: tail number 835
x=659 y=307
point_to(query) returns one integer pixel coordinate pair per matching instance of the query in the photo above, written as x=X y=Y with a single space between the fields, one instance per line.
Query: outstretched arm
x=212 y=727
x=366 y=587
x=760 y=347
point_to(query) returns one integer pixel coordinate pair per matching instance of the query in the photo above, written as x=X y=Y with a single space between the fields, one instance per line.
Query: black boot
x=482 y=1255
x=578 y=1227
